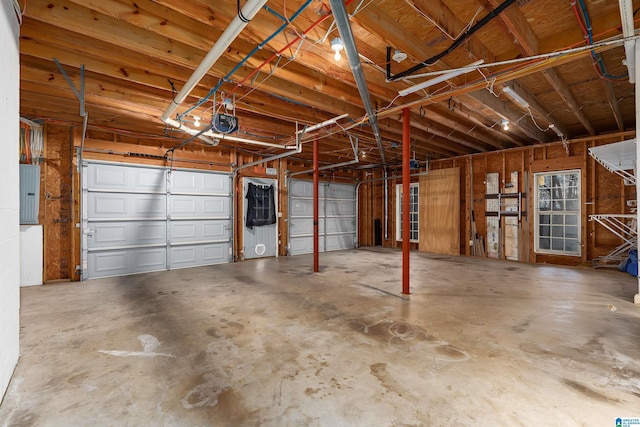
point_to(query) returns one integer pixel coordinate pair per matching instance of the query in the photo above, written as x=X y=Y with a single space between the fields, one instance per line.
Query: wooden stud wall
x=55 y=203
x=602 y=192
x=60 y=210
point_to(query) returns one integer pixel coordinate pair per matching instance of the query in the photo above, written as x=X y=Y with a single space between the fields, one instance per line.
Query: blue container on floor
x=632 y=266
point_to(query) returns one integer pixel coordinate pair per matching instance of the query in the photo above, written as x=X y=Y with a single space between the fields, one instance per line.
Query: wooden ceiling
x=134 y=52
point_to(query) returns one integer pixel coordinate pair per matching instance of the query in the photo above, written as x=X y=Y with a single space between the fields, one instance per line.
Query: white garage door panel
x=126 y=261
x=126 y=205
x=127 y=233
x=337 y=216
x=304 y=245
x=195 y=255
x=340 y=241
x=140 y=218
x=303 y=226
x=340 y=225
x=341 y=191
x=186 y=206
x=340 y=207
x=198 y=231
x=299 y=188
x=187 y=182
x=304 y=207
x=126 y=179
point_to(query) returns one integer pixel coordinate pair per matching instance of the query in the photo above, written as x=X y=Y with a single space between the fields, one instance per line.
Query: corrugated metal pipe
x=344 y=27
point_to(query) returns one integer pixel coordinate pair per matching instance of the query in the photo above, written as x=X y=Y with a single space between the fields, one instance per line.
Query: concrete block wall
x=9 y=198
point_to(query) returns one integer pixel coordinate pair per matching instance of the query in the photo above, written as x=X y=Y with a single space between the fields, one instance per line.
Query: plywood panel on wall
x=56 y=198
x=440 y=212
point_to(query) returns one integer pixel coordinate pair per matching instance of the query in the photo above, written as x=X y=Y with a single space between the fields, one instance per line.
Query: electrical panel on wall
x=29 y=193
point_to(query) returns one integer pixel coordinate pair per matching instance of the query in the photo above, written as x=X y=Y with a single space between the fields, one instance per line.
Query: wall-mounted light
x=337 y=46
x=516 y=97
x=441 y=78
x=196 y=121
x=505 y=124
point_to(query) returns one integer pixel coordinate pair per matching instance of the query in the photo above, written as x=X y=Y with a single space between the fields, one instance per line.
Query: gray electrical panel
x=29 y=193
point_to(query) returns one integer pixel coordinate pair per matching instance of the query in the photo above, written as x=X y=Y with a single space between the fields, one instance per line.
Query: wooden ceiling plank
x=402 y=39
x=141 y=14
x=538 y=107
x=563 y=90
x=130 y=37
x=529 y=45
x=492 y=102
x=613 y=103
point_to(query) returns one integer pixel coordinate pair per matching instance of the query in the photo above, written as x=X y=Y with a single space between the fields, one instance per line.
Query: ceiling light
x=505 y=124
x=337 y=46
x=519 y=99
x=196 y=121
x=441 y=78
x=399 y=56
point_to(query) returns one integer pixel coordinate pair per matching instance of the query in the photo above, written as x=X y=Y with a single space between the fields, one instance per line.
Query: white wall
x=9 y=200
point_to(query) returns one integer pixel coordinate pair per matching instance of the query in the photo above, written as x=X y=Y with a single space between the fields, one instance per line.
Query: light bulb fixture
x=556 y=130
x=337 y=46
x=441 y=78
x=196 y=121
x=505 y=124
x=399 y=56
x=516 y=97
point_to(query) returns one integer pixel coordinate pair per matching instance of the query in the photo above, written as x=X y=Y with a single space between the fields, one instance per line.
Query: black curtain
x=261 y=207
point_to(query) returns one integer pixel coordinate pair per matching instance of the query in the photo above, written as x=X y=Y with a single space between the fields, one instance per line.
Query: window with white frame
x=413 y=212
x=557 y=212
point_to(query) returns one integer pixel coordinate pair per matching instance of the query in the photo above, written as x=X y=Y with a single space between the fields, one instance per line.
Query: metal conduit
x=228 y=36
x=344 y=28
x=253 y=52
x=334 y=165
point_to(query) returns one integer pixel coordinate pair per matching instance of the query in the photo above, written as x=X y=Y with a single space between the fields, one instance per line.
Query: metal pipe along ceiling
x=228 y=36
x=342 y=22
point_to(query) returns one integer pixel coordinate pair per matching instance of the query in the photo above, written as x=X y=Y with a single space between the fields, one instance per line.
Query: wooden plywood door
x=440 y=212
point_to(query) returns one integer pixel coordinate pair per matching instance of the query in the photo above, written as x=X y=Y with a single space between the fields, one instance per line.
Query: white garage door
x=336 y=216
x=139 y=218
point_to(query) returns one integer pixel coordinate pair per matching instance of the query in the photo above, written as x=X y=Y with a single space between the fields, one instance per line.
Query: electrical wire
x=430 y=61
x=587 y=31
x=19 y=11
x=440 y=27
x=241 y=15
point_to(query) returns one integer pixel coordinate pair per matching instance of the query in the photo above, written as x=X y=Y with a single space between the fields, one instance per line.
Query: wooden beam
x=536 y=106
x=515 y=118
x=563 y=90
x=529 y=45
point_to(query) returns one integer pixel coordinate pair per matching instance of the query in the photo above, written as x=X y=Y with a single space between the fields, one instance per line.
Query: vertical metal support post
x=406 y=196
x=316 y=178
x=636 y=298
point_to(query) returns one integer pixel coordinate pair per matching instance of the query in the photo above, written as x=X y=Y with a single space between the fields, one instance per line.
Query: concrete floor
x=265 y=342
